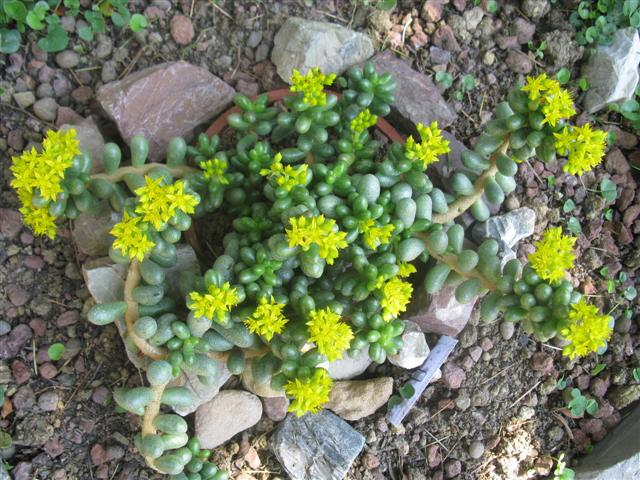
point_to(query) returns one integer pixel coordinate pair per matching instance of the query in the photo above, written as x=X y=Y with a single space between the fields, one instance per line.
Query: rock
x=24 y=99
x=302 y=44
x=418 y=100
x=67 y=115
x=182 y=29
x=616 y=162
x=432 y=10
x=275 y=408
x=104 y=47
x=524 y=30
x=519 y=62
x=91 y=141
x=439 y=56
x=255 y=37
x=46 y=109
x=452 y=375
x=228 y=413
x=91 y=231
x=507 y=329
x=263 y=390
x=48 y=401
x=10 y=223
x=626 y=395
x=316 y=446
x=440 y=313
x=473 y=17
x=452 y=468
x=348 y=367
x=535 y=9
x=201 y=393
x=445 y=39
x=67 y=59
x=617 y=457
x=104 y=279
x=541 y=362
x=356 y=399
x=476 y=449
x=507 y=230
x=414 y=349
x=612 y=70
x=562 y=50
x=18 y=296
x=163 y=102
x=11 y=344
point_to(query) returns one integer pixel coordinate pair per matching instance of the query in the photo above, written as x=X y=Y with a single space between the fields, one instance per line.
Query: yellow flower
x=267 y=319
x=157 y=203
x=40 y=221
x=214 y=169
x=553 y=256
x=286 y=176
x=309 y=395
x=363 y=121
x=405 y=269
x=396 y=294
x=324 y=233
x=131 y=238
x=331 y=336
x=215 y=303
x=583 y=147
x=311 y=85
x=556 y=101
x=536 y=85
x=375 y=236
x=62 y=145
x=587 y=331
x=431 y=145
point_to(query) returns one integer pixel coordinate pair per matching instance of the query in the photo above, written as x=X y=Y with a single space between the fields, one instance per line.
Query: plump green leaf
x=563 y=75
x=55 y=351
x=9 y=40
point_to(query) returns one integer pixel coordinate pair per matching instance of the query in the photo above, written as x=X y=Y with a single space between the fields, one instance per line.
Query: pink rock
x=17 y=295
x=182 y=29
x=432 y=10
x=275 y=407
x=48 y=371
x=434 y=456
x=440 y=313
x=163 y=102
x=21 y=373
x=541 y=362
x=445 y=39
x=68 y=318
x=452 y=375
x=39 y=326
x=419 y=39
x=34 y=262
x=98 y=454
x=11 y=343
x=10 y=223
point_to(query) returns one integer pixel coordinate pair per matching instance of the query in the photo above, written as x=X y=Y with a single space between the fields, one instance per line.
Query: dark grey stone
x=316 y=446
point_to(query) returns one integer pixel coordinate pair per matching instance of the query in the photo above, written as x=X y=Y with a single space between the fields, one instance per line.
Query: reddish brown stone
x=432 y=10
x=445 y=39
x=163 y=102
x=10 y=223
x=182 y=29
x=440 y=313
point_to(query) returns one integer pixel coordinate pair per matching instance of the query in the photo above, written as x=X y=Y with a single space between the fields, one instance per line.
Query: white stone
x=414 y=349
x=612 y=70
x=348 y=367
x=302 y=44
x=228 y=413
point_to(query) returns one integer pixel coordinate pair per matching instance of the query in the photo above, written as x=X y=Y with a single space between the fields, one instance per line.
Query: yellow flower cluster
x=557 y=103
x=583 y=147
x=375 y=236
x=309 y=395
x=553 y=256
x=319 y=230
x=131 y=237
x=312 y=85
x=41 y=174
x=432 y=144
x=286 y=177
x=267 y=319
x=395 y=296
x=157 y=203
x=405 y=269
x=215 y=303
x=587 y=331
x=214 y=169
x=331 y=336
x=363 y=121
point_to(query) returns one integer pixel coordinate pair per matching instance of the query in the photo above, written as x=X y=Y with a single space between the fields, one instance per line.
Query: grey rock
x=507 y=230
x=109 y=72
x=507 y=329
x=67 y=59
x=275 y=408
x=612 y=70
x=414 y=349
x=348 y=367
x=48 y=401
x=104 y=279
x=255 y=37
x=418 y=100
x=24 y=99
x=228 y=413
x=476 y=449
x=473 y=17
x=535 y=9
x=356 y=399
x=439 y=56
x=562 y=50
x=617 y=457
x=91 y=141
x=44 y=90
x=163 y=102
x=4 y=327
x=11 y=343
x=302 y=44
x=104 y=47
x=91 y=231
x=316 y=446
x=46 y=109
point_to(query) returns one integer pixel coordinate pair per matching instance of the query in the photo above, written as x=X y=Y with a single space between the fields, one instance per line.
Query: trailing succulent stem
x=319 y=260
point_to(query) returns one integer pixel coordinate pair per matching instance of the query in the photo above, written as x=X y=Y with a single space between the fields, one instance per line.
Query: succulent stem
x=118 y=176
x=150 y=413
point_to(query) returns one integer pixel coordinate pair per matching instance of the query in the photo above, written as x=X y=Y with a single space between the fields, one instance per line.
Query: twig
x=35 y=356
x=405 y=26
x=564 y=424
x=499 y=373
x=22 y=110
x=191 y=9
x=436 y=439
x=469 y=117
x=525 y=394
x=453 y=448
x=551 y=346
x=221 y=10
x=132 y=63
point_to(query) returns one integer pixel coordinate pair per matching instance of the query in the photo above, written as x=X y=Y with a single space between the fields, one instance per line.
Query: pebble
x=255 y=37
x=519 y=62
x=541 y=362
x=67 y=59
x=82 y=94
x=104 y=47
x=98 y=454
x=70 y=317
x=24 y=398
x=5 y=327
x=109 y=73
x=18 y=296
x=48 y=401
x=11 y=344
x=24 y=99
x=34 y=262
x=39 y=326
x=526 y=413
x=21 y=373
x=44 y=90
x=46 y=109
x=452 y=375
x=489 y=58
x=452 y=468
x=275 y=407
x=507 y=329
x=10 y=223
x=476 y=449
x=182 y=29
x=48 y=371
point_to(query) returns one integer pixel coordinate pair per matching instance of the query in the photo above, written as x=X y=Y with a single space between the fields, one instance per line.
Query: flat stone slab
x=163 y=102
x=318 y=446
x=418 y=100
x=303 y=44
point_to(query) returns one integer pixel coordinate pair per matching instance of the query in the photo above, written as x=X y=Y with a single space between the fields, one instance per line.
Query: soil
x=60 y=413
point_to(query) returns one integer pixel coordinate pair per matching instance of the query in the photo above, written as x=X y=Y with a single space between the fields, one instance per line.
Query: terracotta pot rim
x=220 y=123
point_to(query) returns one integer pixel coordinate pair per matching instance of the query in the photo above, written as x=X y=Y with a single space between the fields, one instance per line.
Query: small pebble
x=46 y=109
x=476 y=449
x=507 y=329
x=67 y=59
